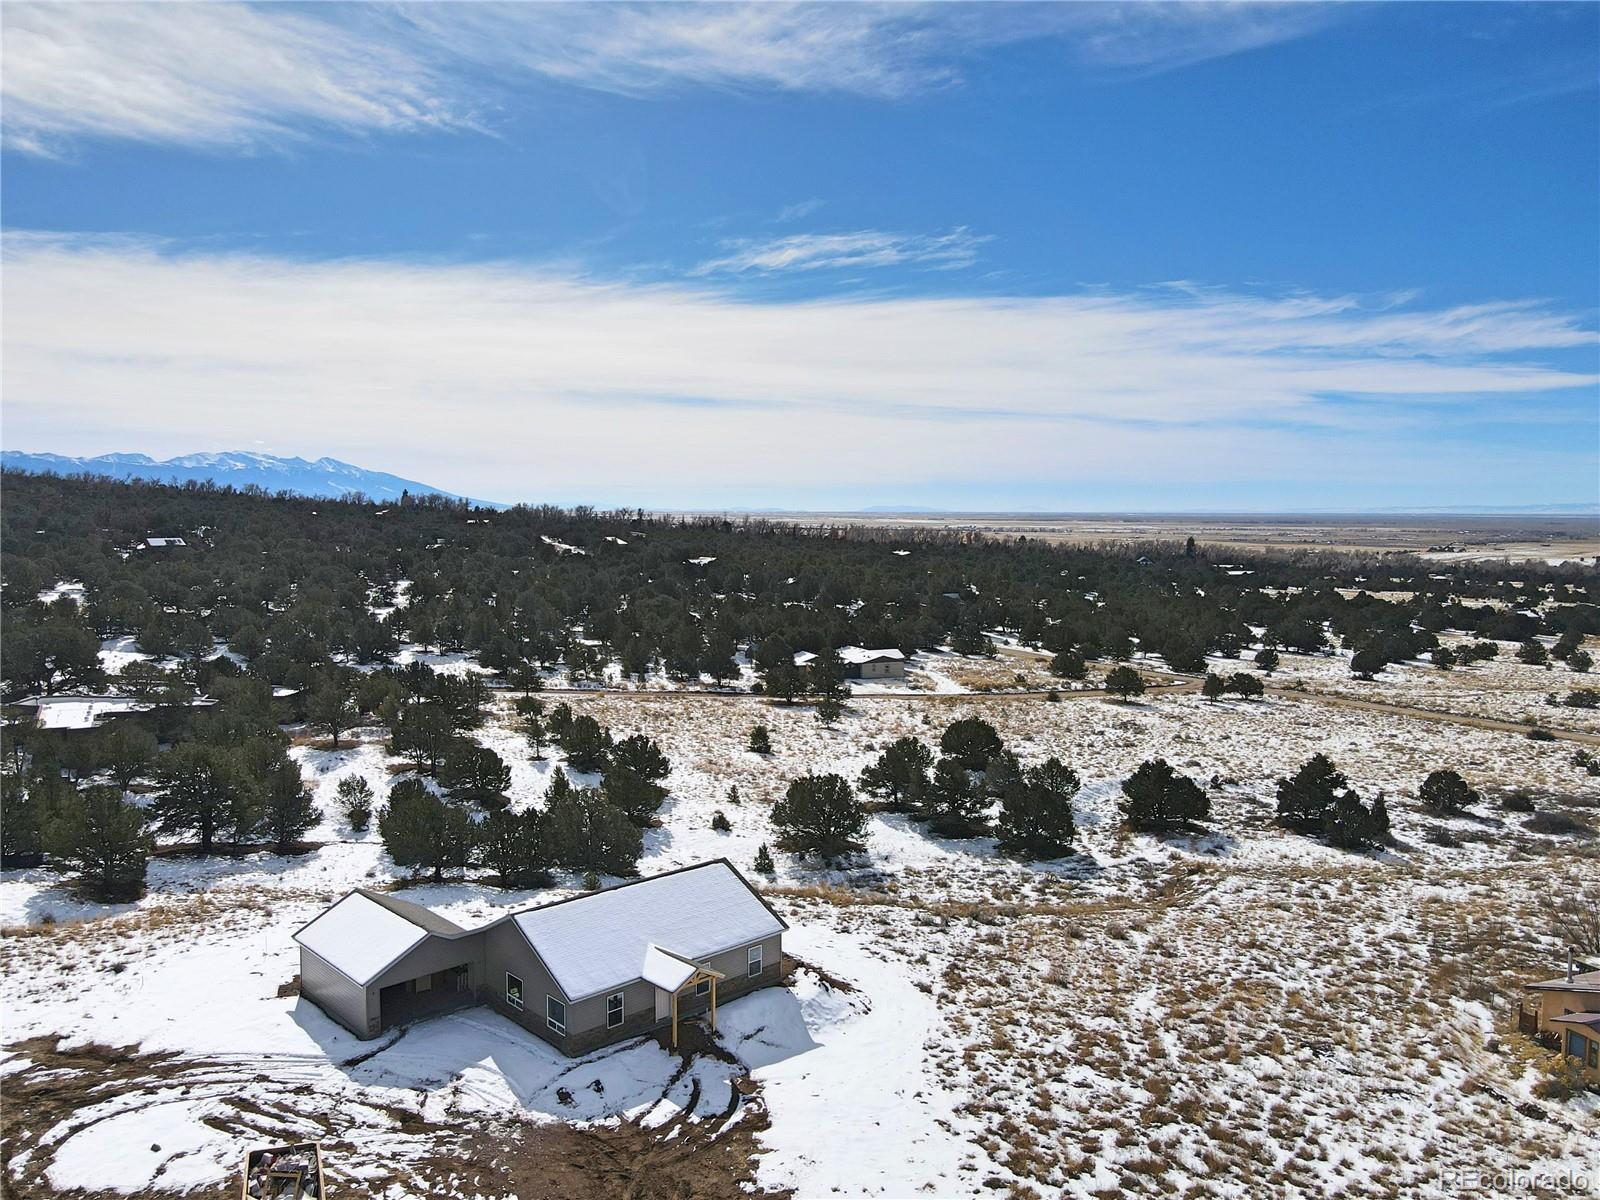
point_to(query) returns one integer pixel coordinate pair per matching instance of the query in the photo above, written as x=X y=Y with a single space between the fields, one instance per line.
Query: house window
x=555 y=1014
x=701 y=988
x=753 y=962
x=1575 y=1044
x=1594 y=1054
x=513 y=991
x=614 y=1011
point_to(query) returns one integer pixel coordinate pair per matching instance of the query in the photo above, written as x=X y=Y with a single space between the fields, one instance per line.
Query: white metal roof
x=665 y=970
x=598 y=943
x=856 y=655
x=360 y=937
x=81 y=712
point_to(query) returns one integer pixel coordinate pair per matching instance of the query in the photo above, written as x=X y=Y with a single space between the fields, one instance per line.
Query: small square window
x=701 y=988
x=614 y=1011
x=513 y=991
x=753 y=962
x=555 y=1014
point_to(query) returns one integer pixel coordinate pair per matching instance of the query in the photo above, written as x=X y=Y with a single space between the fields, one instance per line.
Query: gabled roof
x=415 y=913
x=665 y=969
x=361 y=937
x=599 y=942
x=857 y=655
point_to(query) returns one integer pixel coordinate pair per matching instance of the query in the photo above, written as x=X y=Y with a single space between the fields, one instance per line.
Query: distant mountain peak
x=324 y=478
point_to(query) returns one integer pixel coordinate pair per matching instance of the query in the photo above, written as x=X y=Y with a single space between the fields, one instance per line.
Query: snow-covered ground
x=1238 y=1012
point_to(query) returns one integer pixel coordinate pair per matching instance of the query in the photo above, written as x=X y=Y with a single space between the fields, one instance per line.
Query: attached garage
x=373 y=961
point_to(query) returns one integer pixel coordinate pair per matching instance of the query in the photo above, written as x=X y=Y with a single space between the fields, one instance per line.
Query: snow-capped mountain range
x=324 y=477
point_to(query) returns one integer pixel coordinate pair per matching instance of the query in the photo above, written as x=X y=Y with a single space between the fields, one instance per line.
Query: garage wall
x=435 y=953
x=347 y=1002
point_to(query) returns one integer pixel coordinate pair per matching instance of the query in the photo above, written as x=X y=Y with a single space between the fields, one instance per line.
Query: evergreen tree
x=1380 y=818
x=819 y=813
x=100 y=837
x=1367 y=662
x=1348 y=824
x=825 y=674
x=585 y=832
x=955 y=806
x=424 y=833
x=1247 y=686
x=1580 y=661
x=586 y=744
x=1443 y=657
x=764 y=864
x=760 y=740
x=425 y=733
x=641 y=756
x=1124 y=682
x=1305 y=798
x=829 y=710
x=355 y=799
x=331 y=708
x=900 y=775
x=1267 y=659
x=633 y=795
x=203 y=791
x=532 y=728
x=1069 y=664
x=720 y=822
x=1156 y=797
x=1036 y=812
x=1446 y=792
x=1533 y=653
x=128 y=751
x=971 y=742
x=475 y=774
x=1213 y=686
x=513 y=846
x=289 y=810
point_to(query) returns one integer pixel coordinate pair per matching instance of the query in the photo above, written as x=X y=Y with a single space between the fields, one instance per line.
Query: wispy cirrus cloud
x=478 y=375
x=846 y=251
x=235 y=75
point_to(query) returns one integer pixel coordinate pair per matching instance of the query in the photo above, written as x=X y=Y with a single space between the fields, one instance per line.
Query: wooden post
x=674 y=1020
x=713 y=1004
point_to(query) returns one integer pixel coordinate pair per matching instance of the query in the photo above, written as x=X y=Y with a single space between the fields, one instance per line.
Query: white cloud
x=508 y=381
x=864 y=248
x=237 y=75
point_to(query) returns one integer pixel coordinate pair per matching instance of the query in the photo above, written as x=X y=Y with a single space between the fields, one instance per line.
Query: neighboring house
x=75 y=710
x=164 y=543
x=579 y=973
x=1569 y=1013
x=863 y=664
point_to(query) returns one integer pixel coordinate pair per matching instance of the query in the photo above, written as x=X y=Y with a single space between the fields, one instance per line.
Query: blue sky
x=1009 y=256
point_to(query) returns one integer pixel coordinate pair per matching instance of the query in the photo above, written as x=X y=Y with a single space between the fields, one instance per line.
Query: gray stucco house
x=579 y=973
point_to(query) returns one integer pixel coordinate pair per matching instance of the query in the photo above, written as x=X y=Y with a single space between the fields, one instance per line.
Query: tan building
x=1568 y=1011
x=579 y=973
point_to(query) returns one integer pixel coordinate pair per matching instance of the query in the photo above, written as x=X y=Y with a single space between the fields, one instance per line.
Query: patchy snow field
x=1236 y=1013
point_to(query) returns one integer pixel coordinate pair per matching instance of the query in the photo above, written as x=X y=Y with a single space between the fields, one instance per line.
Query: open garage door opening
x=425 y=996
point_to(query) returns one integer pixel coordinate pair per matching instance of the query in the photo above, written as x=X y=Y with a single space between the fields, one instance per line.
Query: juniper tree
x=475 y=774
x=585 y=832
x=1349 y=824
x=203 y=791
x=955 y=806
x=829 y=710
x=128 y=751
x=1305 y=797
x=1069 y=664
x=586 y=744
x=422 y=832
x=760 y=740
x=1247 y=686
x=971 y=741
x=634 y=795
x=1446 y=792
x=1124 y=682
x=1036 y=811
x=101 y=838
x=288 y=808
x=424 y=732
x=513 y=846
x=642 y=756
x=1580 y=661
x=1533 y=653
x=900 y=775
x=820 y=814
x=330 y=707
x=1157 y=797
x=532 y=728
x=1367 y=662
x=355 y=799
x=764 y=864
x=1213 y=686
x=1267 y=659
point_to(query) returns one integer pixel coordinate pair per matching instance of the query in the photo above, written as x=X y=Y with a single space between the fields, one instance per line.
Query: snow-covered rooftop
x=664 y=969
x=80 y=712
x=856 y=655
x=598 y=943
x=162 y=542
x=360 y=937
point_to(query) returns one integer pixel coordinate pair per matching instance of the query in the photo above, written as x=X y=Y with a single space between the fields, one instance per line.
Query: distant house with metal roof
x=164 y=543
x=1567 y=1014
x=79 y=710
x=579 y=973
x=861 y=663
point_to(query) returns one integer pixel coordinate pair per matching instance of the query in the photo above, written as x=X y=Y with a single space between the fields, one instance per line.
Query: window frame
x=514 y=1000
x=557 y=1025
x=702 y=987
x=621 y=1011
x=755 y=961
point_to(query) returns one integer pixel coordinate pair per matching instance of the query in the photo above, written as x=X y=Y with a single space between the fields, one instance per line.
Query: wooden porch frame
x=701 y=973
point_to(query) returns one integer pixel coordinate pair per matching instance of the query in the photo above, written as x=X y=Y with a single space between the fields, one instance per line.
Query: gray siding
x=506 y=950
x=342 y=999
x=435 y=954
